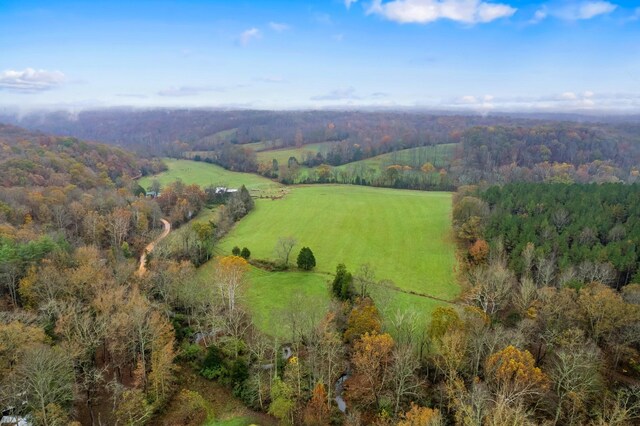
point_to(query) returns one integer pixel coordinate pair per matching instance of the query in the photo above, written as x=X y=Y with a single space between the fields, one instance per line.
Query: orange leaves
x=317 y=410
x=230 y=277
x=479 y=251
x=372 y=359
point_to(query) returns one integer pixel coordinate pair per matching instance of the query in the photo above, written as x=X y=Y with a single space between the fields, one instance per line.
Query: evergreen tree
x=341 y=286
x=246 y=198
x=245 y=253
x=306 y=259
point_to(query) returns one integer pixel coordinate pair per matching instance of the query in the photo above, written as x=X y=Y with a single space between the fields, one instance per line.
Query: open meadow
x=205 y=174
x=404 y=235
x=438 y=155
x=283 y=155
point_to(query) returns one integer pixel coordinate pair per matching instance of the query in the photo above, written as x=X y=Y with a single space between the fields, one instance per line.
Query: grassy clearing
x=205 y=174
x=270 y=295
x=438 y=155
x=283 y=155
x=405 y=235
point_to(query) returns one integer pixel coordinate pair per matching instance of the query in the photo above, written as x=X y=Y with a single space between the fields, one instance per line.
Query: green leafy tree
x=282 y=402
x=245 y=253
x=306 y=259
x=235 y=251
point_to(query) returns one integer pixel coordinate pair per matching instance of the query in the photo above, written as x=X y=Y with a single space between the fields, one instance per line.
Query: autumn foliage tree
x=513 y=375
x=230 y=278
x=421 y=416
x=479 y=251
x=316 y=413
x=372 y=360
x=363 y=318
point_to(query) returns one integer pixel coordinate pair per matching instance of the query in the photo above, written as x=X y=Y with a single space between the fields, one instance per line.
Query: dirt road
x=149 y=248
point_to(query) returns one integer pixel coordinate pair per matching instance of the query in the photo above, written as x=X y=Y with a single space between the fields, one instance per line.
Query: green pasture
x=438 y=155
x=404 y=235
x=283 y=155
x=205 y=174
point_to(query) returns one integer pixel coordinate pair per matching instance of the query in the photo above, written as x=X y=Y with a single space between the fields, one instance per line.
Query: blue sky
x=434 y=54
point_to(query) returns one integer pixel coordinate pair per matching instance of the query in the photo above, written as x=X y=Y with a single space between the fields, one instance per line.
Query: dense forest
x=559 y=153
x=576 y=233
x=552 y=265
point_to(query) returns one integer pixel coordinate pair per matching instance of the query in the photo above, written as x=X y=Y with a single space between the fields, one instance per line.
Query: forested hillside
x=552 y=266
x=493 y=149
x=153 y=131
x=564 y=152
x=72 y=220
x=580 y=233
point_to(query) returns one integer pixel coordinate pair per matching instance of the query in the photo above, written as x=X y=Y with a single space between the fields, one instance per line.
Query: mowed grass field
x=283 y=155
x=205 y=174
x=405 y=235
x=438 y=155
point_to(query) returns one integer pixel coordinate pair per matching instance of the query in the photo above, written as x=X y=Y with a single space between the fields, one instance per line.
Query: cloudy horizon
x=454 y=55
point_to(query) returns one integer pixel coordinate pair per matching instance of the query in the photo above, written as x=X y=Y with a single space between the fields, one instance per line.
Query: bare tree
x=118 y=226
x=365 y=278
x=546 y=270
x=9 y=276
x=404 y=380
x=491 y=287
x=283 y=249
x=45 y=377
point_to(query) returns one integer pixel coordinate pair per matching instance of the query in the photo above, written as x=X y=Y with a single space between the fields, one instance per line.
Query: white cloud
x=540 y=15
x=337 y=95
x=568 y=96
x=426 y=11
x=278 y=27
x=567 y=101
x=30 y=80
x=251 y=34
x=574 y=11
x=591 y=9
x=348 y=3
x=483 y=103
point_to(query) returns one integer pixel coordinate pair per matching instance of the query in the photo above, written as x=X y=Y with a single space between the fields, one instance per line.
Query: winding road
x=149 y=248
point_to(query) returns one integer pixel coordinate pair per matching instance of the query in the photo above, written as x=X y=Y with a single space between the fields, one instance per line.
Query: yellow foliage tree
x=363 y=318
x=421 y=416
x=514 y=376
x=230 y=274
